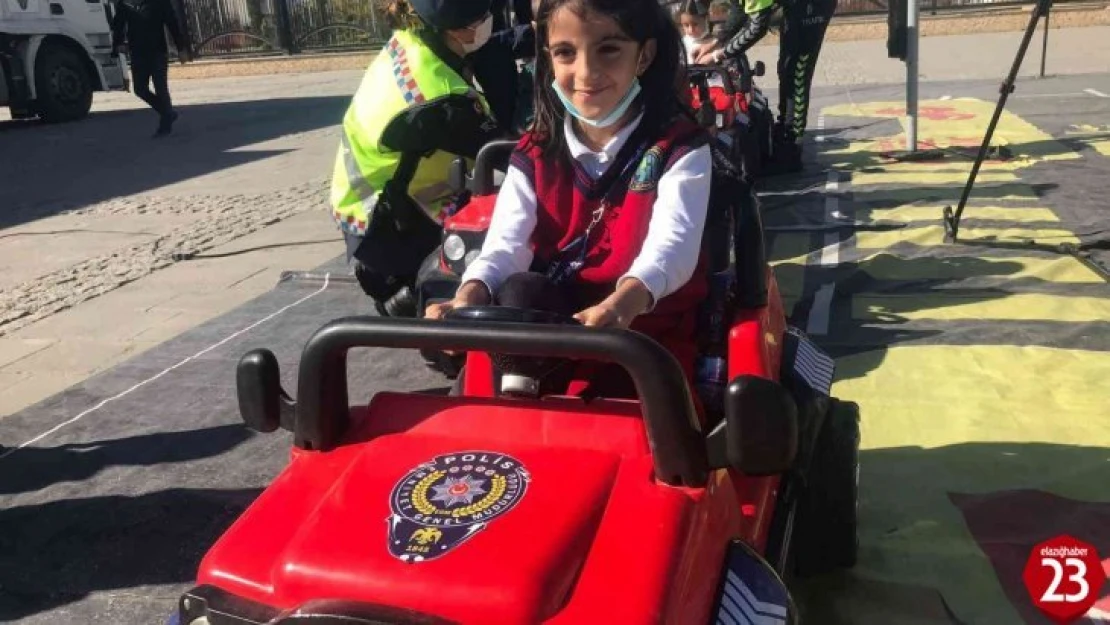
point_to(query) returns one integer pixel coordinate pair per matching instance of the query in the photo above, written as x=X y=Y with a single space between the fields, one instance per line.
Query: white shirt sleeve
x=672 y=247
x=508 y=245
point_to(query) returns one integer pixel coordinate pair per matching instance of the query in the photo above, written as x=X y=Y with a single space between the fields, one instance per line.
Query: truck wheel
x=827 y=536
x=64 y=89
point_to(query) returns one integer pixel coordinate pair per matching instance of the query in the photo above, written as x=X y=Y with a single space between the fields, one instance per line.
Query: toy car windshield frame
x=667 y=406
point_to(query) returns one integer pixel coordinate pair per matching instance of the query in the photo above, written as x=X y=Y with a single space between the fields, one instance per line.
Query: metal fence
x=865 y=7
x=238 y=27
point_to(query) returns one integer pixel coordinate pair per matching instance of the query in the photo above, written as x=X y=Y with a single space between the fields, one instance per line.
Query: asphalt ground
x=980 y=369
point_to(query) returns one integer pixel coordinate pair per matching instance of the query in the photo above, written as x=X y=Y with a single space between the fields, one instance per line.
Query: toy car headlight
x=454 y=248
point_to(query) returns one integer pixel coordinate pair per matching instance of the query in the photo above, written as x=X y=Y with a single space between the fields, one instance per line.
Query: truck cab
x=53 y=55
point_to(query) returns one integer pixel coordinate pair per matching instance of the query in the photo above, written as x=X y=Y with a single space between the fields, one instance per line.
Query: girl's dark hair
x=661 y=83
x=697 y=8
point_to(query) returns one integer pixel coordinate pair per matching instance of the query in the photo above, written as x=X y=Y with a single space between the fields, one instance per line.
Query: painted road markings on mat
x=945 y=421
x=1097 y=137
x=985 y=306
x=934 y=235
x=958 y=123
x=818 y=320
x=1059 y=269
x=985 y=420
x=931 y=213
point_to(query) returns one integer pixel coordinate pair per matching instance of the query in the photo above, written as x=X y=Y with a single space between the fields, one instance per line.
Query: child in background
x=693 y=17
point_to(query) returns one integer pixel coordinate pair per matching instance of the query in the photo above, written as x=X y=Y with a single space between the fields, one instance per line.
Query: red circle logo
x=1064 y=577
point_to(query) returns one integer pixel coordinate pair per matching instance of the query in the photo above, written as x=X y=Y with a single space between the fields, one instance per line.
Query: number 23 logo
x=1051 y=594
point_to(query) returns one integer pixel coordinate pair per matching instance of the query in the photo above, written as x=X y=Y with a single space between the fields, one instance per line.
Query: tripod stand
x=952 y=221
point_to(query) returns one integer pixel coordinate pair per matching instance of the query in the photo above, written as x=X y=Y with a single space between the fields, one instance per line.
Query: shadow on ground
x=33 y=468
x=60 y=552
x=958 y=541
x=111 y=154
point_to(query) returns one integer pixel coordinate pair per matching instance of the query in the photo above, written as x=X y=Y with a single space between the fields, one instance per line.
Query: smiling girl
x=602 y=209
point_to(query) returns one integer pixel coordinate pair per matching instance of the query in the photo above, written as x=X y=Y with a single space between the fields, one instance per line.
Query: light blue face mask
x=613 y=117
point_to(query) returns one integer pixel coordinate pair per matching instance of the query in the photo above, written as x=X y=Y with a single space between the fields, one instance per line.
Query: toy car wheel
x=826 y=531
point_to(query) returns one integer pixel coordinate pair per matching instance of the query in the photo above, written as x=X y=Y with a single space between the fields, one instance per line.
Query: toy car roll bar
x=700 y=74
x=484 y=164
x=678 y=449
x=489 y=157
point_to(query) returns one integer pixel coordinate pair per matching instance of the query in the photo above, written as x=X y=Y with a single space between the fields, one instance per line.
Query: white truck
x=53 y=55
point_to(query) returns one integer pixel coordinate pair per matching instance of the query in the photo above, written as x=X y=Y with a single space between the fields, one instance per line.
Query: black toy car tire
x=64 y=89
x=826 y=529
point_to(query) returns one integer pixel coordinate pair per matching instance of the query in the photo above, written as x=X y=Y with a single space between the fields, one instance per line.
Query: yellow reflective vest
x=755 y=6
x=405 y=74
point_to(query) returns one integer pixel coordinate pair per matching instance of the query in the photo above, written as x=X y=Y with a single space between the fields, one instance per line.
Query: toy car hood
x=474 y=512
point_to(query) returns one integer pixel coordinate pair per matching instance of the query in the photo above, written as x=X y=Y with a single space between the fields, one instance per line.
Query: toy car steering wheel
x=533 y=368
x=510 y=314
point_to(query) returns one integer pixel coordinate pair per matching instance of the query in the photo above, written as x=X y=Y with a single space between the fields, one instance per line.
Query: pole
x=911 y=75
x=1044 y=43
x=952 y=220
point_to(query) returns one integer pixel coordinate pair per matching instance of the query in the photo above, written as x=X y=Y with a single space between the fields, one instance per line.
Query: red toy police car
x=494 y=508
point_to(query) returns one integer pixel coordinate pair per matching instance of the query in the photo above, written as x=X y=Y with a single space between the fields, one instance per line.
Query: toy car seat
x=733 y=244
x=725 y=108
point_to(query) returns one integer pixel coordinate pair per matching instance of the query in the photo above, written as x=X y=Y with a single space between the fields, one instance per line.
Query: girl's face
x=693 y=26
x=594 y=62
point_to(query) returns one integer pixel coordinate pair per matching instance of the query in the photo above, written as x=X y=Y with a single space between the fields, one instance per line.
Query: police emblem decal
x=648 y=171
x=443 y=502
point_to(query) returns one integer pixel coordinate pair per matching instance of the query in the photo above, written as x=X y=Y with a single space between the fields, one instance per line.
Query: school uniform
x=650 y=229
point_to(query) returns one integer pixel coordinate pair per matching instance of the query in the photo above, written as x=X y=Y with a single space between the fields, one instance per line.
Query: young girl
x=693 y=16
x=602 y=209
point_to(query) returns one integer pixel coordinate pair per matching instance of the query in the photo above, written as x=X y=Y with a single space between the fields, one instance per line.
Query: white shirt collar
x=578 y=150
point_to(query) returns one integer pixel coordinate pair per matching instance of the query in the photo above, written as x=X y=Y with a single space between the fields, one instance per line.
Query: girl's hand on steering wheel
x=706 y=53
x=619 y=309
x=604 y=315
x=473 y=293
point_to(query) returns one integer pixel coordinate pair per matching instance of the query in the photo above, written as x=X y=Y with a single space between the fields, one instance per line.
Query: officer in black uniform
x=803 y=31
x=804 y=24
x=143 y=24
x=495 y=63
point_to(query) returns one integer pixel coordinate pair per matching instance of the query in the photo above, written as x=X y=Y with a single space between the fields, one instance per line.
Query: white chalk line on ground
x=820 y=138
x=818 y=322
x=122 y=394
x=1097 y=93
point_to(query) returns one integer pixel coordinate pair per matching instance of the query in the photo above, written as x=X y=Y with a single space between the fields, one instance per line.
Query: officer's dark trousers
x=495 y=63
x=803 y=32
x=149 y=68
x=495 y=69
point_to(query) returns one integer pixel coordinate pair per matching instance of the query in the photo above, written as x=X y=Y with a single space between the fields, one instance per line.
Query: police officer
x=414 y=111
x=803 y=32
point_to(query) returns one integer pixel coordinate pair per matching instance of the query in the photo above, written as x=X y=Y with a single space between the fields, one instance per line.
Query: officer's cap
x=450 y=14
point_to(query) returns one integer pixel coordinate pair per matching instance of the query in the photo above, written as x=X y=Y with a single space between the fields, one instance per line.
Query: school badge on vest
x=443 y=502
x=648 y=172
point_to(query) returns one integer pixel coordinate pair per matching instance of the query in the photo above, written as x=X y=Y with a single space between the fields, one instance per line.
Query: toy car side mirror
x=263 y=403
x=759 y=69
x=759 y=434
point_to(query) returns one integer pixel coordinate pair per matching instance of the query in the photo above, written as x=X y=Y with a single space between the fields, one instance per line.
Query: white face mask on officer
x=482 y=33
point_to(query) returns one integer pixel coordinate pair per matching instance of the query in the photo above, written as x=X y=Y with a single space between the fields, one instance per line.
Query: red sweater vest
x=566 y=200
